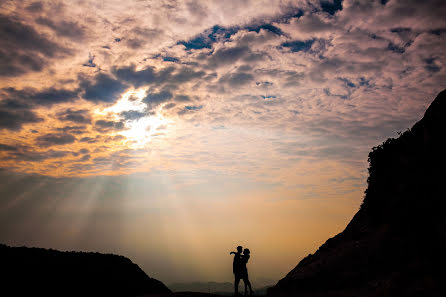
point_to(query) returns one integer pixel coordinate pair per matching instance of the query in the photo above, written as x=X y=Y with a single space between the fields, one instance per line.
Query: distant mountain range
x=395 y=245
x=42 y=272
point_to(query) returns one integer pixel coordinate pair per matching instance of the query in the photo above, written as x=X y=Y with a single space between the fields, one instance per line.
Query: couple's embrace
x=240 y=270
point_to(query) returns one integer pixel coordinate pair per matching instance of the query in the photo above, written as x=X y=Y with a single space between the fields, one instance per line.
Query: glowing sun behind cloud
x=140 y=125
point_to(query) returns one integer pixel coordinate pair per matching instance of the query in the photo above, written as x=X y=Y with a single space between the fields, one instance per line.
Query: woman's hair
x=246 y=251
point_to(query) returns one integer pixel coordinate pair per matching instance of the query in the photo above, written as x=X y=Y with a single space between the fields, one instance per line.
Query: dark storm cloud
x=81 y=116
x=23 y=49
x=51 y=139
x=63 y=28
x=103 y=88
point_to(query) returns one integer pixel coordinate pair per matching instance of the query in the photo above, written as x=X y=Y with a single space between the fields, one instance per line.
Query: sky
x=172 y=131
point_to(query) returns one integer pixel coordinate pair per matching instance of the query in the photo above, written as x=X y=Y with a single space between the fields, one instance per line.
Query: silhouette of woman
x=244 y=271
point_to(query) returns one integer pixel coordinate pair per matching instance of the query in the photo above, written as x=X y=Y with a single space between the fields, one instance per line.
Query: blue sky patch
x=267 y=27
x=394 y=48
x=192 y=107
x=209 y=37
x=331 y=7
x=431 y=66
x=297 y=46
x=347 y=82
x=170 y=59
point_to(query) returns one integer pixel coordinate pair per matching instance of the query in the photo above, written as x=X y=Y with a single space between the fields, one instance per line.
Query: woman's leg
x=247 y=285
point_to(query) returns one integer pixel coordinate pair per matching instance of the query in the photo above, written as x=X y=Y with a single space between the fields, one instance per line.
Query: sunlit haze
x=172 y=131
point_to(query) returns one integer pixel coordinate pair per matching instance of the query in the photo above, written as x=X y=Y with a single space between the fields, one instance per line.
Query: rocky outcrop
x=395 y=245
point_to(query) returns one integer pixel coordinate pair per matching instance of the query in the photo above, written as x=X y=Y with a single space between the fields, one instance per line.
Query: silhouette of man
x=236 y=268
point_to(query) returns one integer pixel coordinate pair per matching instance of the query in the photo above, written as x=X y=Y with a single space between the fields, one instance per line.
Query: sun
x=140 y=129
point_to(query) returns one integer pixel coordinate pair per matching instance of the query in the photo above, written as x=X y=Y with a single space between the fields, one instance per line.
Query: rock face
x=395 y=245
x=41 y=272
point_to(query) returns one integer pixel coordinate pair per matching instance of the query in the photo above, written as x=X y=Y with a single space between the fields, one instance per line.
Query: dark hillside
x=396 y=244
x=41 y=272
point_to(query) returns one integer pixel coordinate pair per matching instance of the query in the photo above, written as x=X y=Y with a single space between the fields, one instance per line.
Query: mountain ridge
x=393 y=245
x=46 y=272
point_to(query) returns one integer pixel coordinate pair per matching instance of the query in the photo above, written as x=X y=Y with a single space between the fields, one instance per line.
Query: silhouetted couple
x=240 y=270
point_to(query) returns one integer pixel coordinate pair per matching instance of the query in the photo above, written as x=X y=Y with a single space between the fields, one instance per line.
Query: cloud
x=149 y=76
x=44 y=97
x=136 y=78
x=103 y=88
x=51 y=139
x=72 y=129
x=182 y=98
x=237 y=79
x=105 y=126
x=28 y=154
x=154 y=99
x=35 y=7
x=13 y=115
x=64 y=28
x=23 y=49
x=88 y=139
x=226 y=56
x=132 y=114
x=80 y=116
x=14 y=120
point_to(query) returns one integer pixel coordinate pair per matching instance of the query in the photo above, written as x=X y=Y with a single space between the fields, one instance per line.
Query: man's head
x=239 y=249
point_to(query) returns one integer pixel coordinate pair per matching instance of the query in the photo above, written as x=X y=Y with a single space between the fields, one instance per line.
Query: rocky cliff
x=395 y=245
